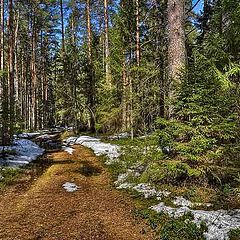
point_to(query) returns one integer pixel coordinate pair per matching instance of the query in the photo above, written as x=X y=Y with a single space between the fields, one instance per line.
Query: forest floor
x=43 y=209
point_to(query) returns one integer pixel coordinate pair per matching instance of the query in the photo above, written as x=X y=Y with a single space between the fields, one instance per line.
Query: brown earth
x=44 y=210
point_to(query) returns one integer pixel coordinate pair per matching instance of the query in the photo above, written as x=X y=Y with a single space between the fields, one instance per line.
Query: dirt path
x=46 y=211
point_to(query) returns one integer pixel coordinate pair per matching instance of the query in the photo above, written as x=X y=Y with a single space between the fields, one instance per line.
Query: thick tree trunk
x=34 y=78
x=176 y=46
x=91 y=95
x=4 y=84
x=16 y=63
x=2 y=35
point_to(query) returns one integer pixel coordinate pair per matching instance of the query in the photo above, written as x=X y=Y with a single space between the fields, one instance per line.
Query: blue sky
x=199 y=7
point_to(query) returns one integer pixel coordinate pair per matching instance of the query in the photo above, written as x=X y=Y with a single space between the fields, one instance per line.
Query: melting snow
x=120 y=136
x=46 y=136
x=26 y=152
x=219 y=222
x=146 y=190
x=29 y=135
x=68 y=149
x=70 y=187
x=99 y=148
x=125 y=186
x=180 y=201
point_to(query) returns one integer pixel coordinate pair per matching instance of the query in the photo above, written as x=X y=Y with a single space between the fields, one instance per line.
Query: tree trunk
x=16 y=97
x=11 y=67
x=62 y=25
x=125 y=124
x=2 y=36
x=107 y=50
x=91 y=96
x=4 y=86
x=176 y=47
x=34 y=77
x=137 y=34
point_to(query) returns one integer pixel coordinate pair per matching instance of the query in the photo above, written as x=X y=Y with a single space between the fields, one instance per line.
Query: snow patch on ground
x=146 y=190
x=68 y=149
x=99 y=148
x=29 y=135
x=181 y=201
x=219 y=222
x=125 y=186
x=26 y=152
x=120 y=136
x=45 y=137
x=70 y=187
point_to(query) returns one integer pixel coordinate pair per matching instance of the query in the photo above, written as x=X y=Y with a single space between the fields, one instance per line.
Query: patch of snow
x=219 y=222
x=99 y=148
x=202 y=204
x=68 y=149
x=181 y=201
x=45 y=137
x=70 y=140
x=173 y=212
x=120 y=136
x=70 y=187
x=164 y=193
x=125 y=186
x=26 y=152
x=146 y=190
x=122 y=178
x=29 y=135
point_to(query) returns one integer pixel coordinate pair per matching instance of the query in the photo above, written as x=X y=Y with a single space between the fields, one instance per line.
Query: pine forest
x=120 y=119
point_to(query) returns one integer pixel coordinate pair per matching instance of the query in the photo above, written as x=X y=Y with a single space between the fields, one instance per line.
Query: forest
x=142 y=97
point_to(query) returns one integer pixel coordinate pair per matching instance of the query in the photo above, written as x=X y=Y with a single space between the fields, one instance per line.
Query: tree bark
x=176 y=47
x=107 y=50
x=34 y=76
x=4 y=83
x=11 y=67
x=62 y=25
x=137 y=34
x=91 y=95
x=2 y=35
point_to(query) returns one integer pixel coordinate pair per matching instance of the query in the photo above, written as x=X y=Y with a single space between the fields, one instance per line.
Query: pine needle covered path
x=47 y=211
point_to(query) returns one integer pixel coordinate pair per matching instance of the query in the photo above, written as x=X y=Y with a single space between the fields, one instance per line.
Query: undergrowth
x=8 y=176
x=234 y=234
x=167 y=228
x=196 y=180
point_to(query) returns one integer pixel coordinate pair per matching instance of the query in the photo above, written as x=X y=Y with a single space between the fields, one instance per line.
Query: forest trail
x=47 y=211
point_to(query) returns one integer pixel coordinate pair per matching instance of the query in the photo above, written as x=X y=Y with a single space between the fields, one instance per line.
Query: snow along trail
x=25 y=151
x=99 y=148
x=65 y=204
x=219 y=222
